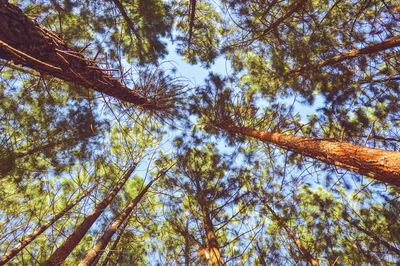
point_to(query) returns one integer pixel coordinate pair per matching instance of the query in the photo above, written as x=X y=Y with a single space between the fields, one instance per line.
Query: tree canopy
x=110 y=156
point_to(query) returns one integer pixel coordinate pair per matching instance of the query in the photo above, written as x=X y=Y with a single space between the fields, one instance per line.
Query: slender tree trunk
x=30 y=44
x=73 y=240
x=374 y=237
x=187 y=245
x=379 y=164
x=370 y=49
x=130 y=23
x=306 y=254
x=16 y=249
x=292 y=8
x=114 y=246
x=95 y=253
x=261 y=254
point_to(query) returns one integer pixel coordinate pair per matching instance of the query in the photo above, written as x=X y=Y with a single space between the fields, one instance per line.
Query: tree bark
x=73 y=240
x=382 y=165
x=211 y=252
x=306 y=254
x=370 y=49
x=115 y=244
x=16 y=249
x=95 y=253
x=28 y=43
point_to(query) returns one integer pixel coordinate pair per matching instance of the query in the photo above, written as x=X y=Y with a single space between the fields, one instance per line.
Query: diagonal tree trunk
x=16 y=249
x=374 y=237
x=73 y=240
x=95 y=253
x=115 y=244
x=130 y=23
x=292 y=8
x=30 y=44
x=306 y=254
x=382 y=165
x=370 y=49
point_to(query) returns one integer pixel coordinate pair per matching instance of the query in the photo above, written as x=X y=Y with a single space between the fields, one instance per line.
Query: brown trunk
x=16 y=249
x=114 y=246
x=73 y=240
x=95 y=253
x=28 y=43
x=379 y=164
x=370 y=49
x=306 y=254
x=211 y=252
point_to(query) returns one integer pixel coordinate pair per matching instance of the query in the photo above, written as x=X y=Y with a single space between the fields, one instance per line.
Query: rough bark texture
x=371 y=49
x=16 y=249
x=379 y=164
x=306 y=254
x=95 y=253
x=73 y=240
x=28 y=43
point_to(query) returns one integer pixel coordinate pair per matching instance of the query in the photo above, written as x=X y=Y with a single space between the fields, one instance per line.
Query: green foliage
x=57 y=141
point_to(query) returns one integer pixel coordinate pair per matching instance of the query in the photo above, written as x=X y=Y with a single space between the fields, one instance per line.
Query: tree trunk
x=374 y=237
x=376 y=163
x=261 y=254
x=187 y=245
x=292 y=8
x=306 y=254
x=370 y=49
x=30 y=44
x=114 y=246
x=73 y=240
x=16 y=249
x=211 y=252
x=95 y=253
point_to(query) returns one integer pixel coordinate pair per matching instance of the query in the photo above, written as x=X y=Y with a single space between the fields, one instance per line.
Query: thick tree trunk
x=379 y=164
x=211 y=252
x=306 y=254
x=370 y=49
x=73 y=240
x=28 y=43
x=16 y=249
x=95 y=253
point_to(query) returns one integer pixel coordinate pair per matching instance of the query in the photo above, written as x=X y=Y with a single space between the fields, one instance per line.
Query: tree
x=308 y=88
x=15 y=250
x=95 y=253
x=73 y=240
x=51 y=55
x=379 y=164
